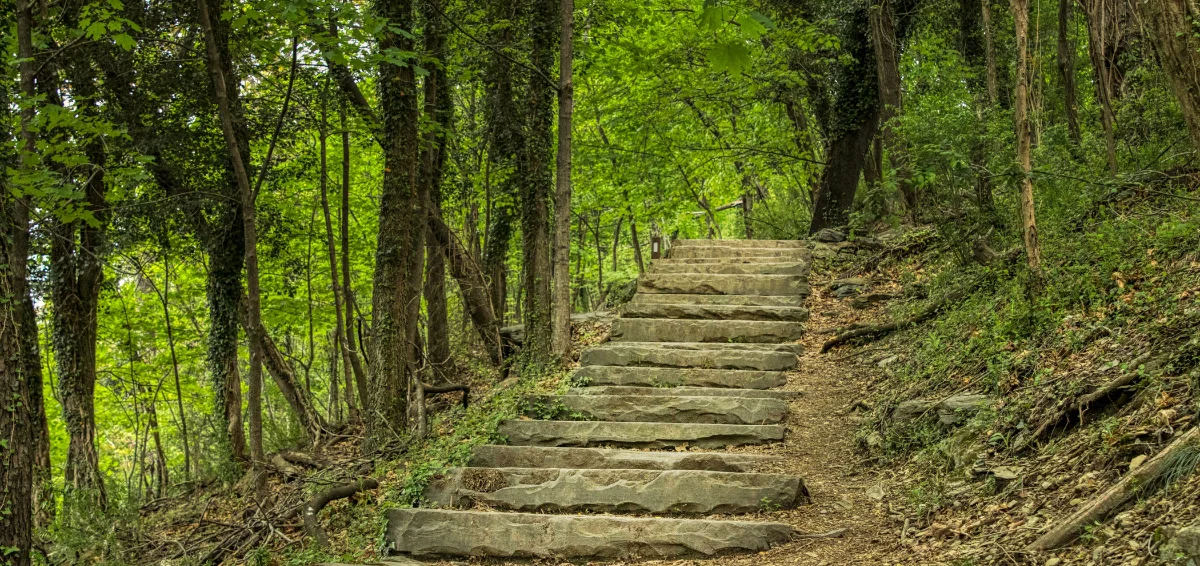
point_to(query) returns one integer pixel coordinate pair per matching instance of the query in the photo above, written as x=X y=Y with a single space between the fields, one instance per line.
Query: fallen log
x=312 y=527
x=1102 y=505
x=877 y=330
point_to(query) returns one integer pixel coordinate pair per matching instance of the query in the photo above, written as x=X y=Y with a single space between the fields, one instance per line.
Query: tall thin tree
x=1033 y=251
x=562 y=190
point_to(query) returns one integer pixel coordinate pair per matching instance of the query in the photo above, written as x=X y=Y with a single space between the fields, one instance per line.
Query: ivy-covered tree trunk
x=1066 y=69
x=438 y=108
x=853 y=127
x=505 y=142
x=562 y=189
x=1172 y=24
x=225 y=243
x=76 y=274
x=400 y=230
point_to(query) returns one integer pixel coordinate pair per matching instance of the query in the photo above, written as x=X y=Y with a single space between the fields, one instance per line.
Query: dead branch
x=1082 y=403
x=921 y=316
x=1099 y=508
x=314 y=506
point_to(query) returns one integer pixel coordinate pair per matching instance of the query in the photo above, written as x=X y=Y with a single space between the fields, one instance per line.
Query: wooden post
x=655 y=247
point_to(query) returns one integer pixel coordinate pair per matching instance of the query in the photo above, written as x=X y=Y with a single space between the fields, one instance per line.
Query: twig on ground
x=868 y=331
x=311 y=525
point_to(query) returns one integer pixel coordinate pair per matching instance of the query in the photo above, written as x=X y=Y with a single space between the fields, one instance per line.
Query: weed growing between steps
x=1090 y=377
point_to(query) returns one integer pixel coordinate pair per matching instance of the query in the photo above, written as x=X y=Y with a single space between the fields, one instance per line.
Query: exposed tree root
x=312 y=526
x=878 y=330
x=1112 y=498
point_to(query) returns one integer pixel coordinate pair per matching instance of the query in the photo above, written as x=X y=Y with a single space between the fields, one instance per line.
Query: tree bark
x=887 y=60
x=562 y=191
x=1172 y=27
x=400 y=232
x=249 y=230
x=1099 y=19
x=536 y=181
x=633 y=240
x=1033 y=252
x=473 y=286
x=340 y=338
x=439 y=110
x=18 y=426
x=989 y=50
x=1066 y=69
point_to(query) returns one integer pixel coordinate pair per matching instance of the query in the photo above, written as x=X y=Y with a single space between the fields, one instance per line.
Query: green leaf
x=751 y=27
x=124 y=41
x=731 y=57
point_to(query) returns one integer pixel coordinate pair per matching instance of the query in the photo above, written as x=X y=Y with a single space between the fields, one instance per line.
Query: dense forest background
x=239 y=227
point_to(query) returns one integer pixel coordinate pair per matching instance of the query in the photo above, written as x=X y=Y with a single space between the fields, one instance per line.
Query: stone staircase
x=609 y=470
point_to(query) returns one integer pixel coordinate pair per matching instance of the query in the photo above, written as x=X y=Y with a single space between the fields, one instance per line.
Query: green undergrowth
x=454 y=432
x=1121 y=284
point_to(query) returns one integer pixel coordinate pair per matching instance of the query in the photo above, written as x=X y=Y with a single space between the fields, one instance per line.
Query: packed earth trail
x=705 y=427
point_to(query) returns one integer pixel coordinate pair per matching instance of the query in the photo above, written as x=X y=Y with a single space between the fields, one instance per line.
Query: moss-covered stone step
x=714 y=312
x=738 y=252
x=717 y=300
x=657 y=409
x=662 y=378
x=723 y=284
x=636 y=435
x=426 y=532
x=740 y=243
x=569 y=490
x=691 y=355
x=504 y=456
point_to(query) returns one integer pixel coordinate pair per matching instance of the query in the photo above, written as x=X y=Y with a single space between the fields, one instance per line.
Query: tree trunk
x=989 y=39
x=1033 y=252
x=1098 y=19
x=164 y=297
x=250 y=234
x=887 y=60
x=562 y=191
x=285 y=380
x=536 y=180
x=360 y=378
x=76 y=275
x=1173 y=29
x=400 y=230
x=633 y=239
x=438 y=109
x=341 y=340
x=616 y=245
x=472 y=285
x=857 y=123
x=1066 y=69
x=18 y=423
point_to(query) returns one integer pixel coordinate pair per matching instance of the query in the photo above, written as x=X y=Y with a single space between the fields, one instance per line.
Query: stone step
x=672 y=330
x=718 y=284
x=657 y=409
x=636 y=435
x=714 y=312
x=741 y=243
x=784 y=254
x=758 y=268
x=691 y=355
x=717 y=300
x=684 y=392
x=502 y=456
x=560 y=490
x=664 y=378
x=565 y=537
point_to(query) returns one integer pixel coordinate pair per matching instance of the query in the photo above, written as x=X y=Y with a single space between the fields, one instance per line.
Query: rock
x=718 y=284
x=565 y=537
x=768 y=266
x=1187 y=540
x=885 y=362
x=658 y=409
x=515 y=334
x=724 y=300
x=736 y=252
x=615 y=491
x=1006 y=472
x=664 y=378
x=865 y=301
x=829 y=236
x=682 y=354
x=636 y=435
x=876 y=492
x=684 y=392
x=951 y=410
x=670 y=330
x=714 y=312
x=501 y=456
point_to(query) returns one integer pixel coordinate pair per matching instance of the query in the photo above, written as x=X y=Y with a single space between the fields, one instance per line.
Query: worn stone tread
x=730 y=268
x=684 y=311
x=658 y=409
x=636 y=435
x=740 y=243
x=526 y=535
x=505 y=456
x=571 y=490
x=722 y=284
x=724 y=300
x=690 y=355
x=722 y=252
x=662 y=377
x=683 y=391
x=720 y=331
